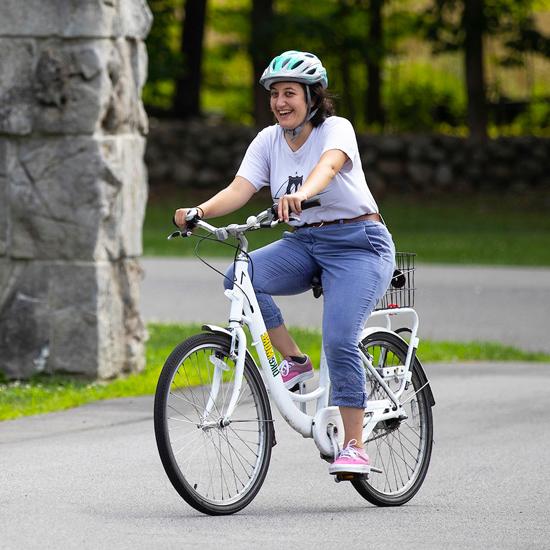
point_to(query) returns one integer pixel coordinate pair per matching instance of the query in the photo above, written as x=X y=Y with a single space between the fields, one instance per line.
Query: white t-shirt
x=270 y=161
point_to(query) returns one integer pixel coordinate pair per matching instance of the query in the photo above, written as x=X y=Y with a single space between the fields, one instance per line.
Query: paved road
x=508 y=305
x=90 y=478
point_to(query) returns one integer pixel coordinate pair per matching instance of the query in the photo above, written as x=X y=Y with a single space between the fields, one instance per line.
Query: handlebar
x=265 y=219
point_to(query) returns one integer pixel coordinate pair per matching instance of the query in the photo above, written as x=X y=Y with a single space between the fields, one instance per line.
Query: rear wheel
x=400 y=448
x=218 y=469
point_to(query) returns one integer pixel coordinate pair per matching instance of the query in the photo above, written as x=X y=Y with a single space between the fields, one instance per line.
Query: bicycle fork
x=238 y=341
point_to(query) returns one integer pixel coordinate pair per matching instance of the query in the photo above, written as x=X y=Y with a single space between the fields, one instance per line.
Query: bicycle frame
x=245 y=311
x=326 y=427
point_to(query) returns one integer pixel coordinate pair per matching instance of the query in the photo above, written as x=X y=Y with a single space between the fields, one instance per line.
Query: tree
x=374 y=110
x=473 y=24
x=454 y=25
x=462 y=25
x=188 y=82
x=261 y=51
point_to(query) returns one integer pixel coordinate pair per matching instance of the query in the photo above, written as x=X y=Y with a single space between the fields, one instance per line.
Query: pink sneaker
x=294 y=372
x=351 y=460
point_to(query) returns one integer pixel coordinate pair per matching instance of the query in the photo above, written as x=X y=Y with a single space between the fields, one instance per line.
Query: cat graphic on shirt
x=294 y=183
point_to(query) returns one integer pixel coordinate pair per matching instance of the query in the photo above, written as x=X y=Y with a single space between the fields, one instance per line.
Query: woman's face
x=288 y=103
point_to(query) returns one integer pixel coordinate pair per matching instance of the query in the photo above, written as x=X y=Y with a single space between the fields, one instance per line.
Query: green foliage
x=511 y=20
x=163 y=51
x=417 y=94
x=337 y=30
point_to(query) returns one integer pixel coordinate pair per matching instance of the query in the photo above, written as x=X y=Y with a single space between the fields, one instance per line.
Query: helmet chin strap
x=293 y=133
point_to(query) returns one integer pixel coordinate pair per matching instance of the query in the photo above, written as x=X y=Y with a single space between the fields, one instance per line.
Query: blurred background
x=460 y=67
x=450 y=100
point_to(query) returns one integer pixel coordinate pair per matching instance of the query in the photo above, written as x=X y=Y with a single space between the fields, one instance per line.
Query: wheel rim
x=217 y=463
x=396 y=447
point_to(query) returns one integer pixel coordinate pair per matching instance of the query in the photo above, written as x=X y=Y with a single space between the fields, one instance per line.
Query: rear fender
x=368 y=331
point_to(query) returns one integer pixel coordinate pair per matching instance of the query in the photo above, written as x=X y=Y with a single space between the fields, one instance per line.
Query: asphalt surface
x=506 y=305
x=91 y=478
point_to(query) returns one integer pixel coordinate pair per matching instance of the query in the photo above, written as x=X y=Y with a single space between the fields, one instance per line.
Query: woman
x=311 y=152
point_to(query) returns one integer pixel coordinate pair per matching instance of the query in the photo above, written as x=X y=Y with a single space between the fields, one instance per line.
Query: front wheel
x=400 y=448
x=217 y=468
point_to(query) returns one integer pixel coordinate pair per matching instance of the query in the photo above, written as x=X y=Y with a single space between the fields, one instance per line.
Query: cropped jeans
x=355 y=263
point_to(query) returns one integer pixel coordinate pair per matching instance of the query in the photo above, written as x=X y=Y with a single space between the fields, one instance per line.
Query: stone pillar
x=72 y=185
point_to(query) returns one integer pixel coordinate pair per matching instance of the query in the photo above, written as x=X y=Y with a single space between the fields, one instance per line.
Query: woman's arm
x=330 y=163
x=235 y=195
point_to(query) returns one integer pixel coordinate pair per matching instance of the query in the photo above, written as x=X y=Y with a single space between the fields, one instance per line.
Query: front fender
x=220 y=330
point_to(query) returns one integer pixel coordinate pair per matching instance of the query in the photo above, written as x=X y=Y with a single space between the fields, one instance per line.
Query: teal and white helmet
x=294 y=66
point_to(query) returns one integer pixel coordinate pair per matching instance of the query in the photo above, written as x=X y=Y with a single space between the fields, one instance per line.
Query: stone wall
x=207 y=155
x=72 y=185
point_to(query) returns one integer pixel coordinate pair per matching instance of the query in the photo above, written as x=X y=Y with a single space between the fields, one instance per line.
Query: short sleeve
x=338 y=133
x=255 y=164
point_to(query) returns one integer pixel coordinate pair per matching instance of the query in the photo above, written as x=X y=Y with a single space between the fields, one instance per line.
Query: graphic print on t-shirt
x=294 y=183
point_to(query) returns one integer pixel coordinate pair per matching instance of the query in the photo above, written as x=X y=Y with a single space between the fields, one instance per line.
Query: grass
x=44 y=394
x=480 y=229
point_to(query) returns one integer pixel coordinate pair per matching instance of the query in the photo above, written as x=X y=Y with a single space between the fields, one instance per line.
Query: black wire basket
x=400 y=293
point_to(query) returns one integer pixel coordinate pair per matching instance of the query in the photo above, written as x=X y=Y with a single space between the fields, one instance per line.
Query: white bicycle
x=212 y=415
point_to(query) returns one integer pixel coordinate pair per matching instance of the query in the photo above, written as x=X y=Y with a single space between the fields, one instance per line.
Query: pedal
x=350 y=477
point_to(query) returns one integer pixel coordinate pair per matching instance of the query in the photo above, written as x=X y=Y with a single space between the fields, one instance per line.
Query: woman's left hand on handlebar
x=290 y=203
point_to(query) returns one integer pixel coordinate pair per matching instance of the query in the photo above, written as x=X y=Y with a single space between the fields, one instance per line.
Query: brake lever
x=176 y=234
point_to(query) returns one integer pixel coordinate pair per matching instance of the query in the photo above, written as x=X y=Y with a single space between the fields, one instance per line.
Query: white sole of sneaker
x=297 y=379
x=343 y=469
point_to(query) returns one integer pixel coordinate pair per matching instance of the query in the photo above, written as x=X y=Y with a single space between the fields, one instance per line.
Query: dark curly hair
x=323 y=101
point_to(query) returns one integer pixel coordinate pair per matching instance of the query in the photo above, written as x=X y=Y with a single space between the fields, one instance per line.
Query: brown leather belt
x=365 y=217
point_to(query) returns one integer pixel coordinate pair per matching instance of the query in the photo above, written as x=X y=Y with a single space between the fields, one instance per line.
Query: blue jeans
x=355 y=262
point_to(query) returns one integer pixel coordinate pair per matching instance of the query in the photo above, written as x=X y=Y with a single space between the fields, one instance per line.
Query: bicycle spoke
x=400 y=448
x=221 y=465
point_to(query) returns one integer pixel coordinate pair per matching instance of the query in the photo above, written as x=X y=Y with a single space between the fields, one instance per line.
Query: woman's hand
x=290 y=203
x=181 y=214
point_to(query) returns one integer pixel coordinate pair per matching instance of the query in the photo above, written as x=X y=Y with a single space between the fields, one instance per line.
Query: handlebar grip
x=310 y=203
x=191 y=219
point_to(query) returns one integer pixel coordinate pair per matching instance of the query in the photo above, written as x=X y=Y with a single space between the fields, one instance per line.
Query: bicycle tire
x=402 y=449
x=216 y=469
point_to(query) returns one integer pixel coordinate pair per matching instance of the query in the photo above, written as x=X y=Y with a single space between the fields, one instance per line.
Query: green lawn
x=488 y=230
x=51 y=393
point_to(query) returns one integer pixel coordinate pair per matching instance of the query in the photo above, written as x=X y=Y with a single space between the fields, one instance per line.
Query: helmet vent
x=294 y=66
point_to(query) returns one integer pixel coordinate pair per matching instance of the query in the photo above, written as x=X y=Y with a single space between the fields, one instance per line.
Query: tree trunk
x=345 y=70
x=375 y=113
x=473 y=24
x=261 y=52
x=188 y=84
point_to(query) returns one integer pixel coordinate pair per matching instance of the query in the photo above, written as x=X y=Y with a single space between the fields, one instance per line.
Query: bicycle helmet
x=294 y=66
